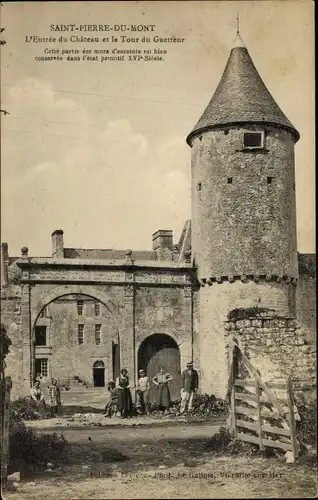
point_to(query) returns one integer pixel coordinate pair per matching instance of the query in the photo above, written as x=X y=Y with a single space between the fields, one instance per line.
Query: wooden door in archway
x=161 y=350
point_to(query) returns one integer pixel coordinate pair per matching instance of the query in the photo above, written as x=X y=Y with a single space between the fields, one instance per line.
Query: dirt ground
x=162 y=462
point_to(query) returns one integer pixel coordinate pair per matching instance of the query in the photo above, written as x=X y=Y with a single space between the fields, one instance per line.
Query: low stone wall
x=277 y=347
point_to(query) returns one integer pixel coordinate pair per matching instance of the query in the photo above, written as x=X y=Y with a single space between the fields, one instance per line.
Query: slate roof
x=241 y=97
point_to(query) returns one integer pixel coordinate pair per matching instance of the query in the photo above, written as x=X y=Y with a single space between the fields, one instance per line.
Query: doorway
x=99 y=374
x=161 y=350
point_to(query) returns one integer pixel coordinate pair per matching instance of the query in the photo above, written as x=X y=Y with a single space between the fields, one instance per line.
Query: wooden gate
x=161 y=350
x=5 y=420
x=257 y=414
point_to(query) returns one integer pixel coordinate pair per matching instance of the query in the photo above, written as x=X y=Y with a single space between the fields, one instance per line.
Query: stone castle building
x=82 y=314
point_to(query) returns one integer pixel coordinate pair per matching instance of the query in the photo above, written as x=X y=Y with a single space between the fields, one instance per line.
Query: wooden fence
x=5 y=421
x=258 y=415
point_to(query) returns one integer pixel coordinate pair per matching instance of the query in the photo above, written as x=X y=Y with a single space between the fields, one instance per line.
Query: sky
x=98 y=149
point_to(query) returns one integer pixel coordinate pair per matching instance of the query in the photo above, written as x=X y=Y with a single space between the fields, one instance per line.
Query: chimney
x=4 y=263
x=162 y=239
x=58 y=244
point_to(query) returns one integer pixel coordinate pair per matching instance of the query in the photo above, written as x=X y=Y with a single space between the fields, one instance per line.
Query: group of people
x=54 y=394
x=120 y=400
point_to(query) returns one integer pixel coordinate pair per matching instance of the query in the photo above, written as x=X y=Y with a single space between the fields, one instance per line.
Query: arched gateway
x=157 y=350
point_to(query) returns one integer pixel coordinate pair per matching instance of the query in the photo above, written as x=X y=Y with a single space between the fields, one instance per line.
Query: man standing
x=190 y=383
x=143 y=393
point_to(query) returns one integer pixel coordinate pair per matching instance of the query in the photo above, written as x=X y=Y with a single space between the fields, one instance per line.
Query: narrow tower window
x=270 y=180
x=199 y=186
x=230 y=180
x=253 y=140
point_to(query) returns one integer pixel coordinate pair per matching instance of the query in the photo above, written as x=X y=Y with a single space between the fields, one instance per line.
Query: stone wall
x=165 y=311
x=215 y=302
x=306 y=305
x=67 y=358
x=142 y=303
x=11 y=318
x=277 y=347
x=130 y=312
x=243 y=204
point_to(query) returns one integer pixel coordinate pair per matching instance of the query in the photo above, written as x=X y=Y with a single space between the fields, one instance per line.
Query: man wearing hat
x=190 y=383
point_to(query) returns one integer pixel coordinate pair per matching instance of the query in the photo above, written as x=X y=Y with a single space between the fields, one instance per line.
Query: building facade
x=82 y=314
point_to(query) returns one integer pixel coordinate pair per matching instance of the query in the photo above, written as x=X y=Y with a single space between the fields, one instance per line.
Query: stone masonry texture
x=247 y=226
x=278 y=347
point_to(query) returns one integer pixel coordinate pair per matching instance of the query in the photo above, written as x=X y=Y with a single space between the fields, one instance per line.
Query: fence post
x=292 y=423
x=259 y=417
x=5 y=421
x=232 y=378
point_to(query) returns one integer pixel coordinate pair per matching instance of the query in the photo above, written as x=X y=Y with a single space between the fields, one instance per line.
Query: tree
x=4 y=347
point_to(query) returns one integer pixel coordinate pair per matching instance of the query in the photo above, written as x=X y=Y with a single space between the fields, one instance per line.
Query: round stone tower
x=243 y=208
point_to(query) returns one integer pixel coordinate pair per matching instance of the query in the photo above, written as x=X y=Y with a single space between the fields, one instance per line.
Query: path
x=161 y=463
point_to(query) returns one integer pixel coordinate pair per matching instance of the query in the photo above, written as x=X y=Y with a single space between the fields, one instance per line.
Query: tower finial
x=237 y=23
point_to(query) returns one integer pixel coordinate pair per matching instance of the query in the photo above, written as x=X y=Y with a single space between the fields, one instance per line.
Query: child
x=143 y=393
x=55 y=397
x=111 y=407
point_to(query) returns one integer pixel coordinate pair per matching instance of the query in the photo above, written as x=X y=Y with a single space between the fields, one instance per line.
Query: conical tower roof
x=241 y=97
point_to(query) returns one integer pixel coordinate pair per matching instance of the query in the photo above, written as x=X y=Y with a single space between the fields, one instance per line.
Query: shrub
x=307 y=426
x=5 y=344
x=25 y=408
x=204 y=406
x=222 y=443
x=30 y=452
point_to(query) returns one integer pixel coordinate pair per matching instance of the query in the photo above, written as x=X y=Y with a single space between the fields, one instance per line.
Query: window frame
x=37 y=328
x=97 y=308
x=80 y=331
x=44 y=367
x=98 y=334
x=254 y=132
x=80 y=307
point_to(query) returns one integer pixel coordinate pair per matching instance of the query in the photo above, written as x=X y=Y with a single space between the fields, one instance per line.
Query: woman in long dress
x=124 y=401
x=38 y=396
x=161 y=380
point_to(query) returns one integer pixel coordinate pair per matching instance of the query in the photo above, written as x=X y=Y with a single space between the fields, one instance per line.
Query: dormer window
x=253 y=140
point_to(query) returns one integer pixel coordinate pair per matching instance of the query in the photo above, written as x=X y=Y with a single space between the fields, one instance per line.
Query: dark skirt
x=124 y=401
x=163 y=396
